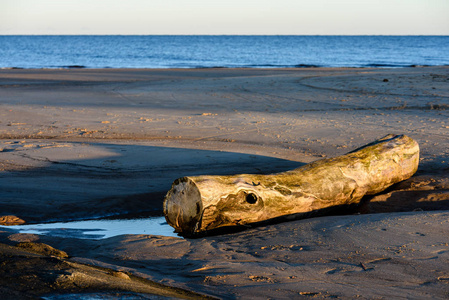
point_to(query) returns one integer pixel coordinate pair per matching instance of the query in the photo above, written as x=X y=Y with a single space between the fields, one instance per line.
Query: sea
x=221 y=51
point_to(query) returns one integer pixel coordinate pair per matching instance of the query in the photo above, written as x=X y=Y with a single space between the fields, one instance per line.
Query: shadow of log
x=402 y=201
x=419 y=193
x=329 y=211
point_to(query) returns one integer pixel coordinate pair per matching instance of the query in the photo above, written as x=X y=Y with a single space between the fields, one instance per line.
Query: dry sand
x=79 y=144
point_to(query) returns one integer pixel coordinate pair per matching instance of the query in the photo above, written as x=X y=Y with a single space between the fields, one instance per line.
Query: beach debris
x=363 y=266
x=11 y=220
x=197 y=204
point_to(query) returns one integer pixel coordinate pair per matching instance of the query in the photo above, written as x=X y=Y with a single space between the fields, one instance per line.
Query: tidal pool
x=99 y=229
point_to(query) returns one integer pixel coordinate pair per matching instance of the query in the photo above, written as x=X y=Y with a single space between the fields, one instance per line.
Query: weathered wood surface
x=201 y=203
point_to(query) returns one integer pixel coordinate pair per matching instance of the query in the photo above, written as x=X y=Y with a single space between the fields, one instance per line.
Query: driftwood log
x=200 y=203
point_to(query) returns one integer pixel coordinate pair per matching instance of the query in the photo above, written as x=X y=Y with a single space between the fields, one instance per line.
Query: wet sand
x=81 y=144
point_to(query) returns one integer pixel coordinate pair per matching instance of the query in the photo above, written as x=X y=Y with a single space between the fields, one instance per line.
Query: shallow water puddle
x=99 y=229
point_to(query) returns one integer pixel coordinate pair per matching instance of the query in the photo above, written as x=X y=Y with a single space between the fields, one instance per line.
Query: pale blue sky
x=386 y=17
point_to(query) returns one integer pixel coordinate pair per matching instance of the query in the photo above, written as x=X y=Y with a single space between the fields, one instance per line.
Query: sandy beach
x=79 y=144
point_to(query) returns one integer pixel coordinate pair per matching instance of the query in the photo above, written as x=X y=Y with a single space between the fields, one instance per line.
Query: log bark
x=200 y=203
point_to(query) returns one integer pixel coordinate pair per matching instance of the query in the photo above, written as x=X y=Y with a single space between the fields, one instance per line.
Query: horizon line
x=172 y=34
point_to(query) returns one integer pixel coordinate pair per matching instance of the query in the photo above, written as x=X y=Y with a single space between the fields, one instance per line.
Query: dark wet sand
x=79 y=144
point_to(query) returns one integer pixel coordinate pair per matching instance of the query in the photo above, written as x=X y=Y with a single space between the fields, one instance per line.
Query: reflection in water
x=99 y=229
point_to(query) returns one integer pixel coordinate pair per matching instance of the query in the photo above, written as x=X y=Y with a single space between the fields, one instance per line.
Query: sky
x=270 y=17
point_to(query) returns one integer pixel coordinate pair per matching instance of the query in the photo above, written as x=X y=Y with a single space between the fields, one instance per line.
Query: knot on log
x=251 y=198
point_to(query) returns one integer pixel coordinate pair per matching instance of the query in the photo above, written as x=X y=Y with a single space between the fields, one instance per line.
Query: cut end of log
x=183 y=206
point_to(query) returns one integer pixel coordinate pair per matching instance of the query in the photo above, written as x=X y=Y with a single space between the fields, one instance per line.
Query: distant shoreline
x=78 y=67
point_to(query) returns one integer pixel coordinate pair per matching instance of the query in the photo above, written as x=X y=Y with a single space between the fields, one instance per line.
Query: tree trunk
x=200 y=203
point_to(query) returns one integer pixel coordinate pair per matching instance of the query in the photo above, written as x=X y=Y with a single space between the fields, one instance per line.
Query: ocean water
x=222 y=51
